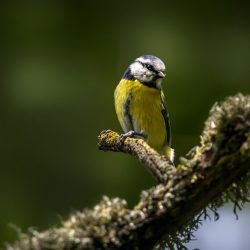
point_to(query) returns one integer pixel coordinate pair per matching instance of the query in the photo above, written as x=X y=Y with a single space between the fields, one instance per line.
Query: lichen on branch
x=217 y=171
x=156 y=164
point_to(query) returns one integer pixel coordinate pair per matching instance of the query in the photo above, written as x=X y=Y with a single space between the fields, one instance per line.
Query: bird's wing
x=165 y=114
x=127 y=121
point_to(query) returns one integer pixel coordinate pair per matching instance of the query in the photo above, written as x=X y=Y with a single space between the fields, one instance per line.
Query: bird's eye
x=149 y=67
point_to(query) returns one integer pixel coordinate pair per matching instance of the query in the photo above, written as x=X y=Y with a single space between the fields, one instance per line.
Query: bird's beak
x=161 y=74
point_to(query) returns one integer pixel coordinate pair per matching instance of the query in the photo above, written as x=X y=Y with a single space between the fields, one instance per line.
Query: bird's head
x=148 y=69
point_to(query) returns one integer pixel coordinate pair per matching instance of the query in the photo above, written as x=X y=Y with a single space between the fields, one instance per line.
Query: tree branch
x=155 y=163
x=213 y=173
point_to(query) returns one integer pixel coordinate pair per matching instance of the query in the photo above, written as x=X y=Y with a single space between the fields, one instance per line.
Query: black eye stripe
x=149 y=67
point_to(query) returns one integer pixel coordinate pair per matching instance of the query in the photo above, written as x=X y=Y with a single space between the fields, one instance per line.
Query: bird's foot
x=131 y=134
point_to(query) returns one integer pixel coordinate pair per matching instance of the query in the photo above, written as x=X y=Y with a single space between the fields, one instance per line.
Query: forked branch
x=213 y=173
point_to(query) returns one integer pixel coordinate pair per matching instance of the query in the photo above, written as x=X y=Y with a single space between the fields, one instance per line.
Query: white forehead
x=156 y=62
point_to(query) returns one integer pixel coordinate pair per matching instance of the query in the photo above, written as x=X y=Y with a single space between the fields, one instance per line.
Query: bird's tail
x=169 y=153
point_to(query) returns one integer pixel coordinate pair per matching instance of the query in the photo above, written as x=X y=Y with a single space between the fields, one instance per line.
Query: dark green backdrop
x=60 y=62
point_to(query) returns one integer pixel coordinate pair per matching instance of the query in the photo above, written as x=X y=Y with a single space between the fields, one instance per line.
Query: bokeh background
x=60 y=63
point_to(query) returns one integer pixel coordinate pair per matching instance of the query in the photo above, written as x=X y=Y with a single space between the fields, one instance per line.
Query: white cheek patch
x=146 y=78
x=140 y=73
x=136 y=69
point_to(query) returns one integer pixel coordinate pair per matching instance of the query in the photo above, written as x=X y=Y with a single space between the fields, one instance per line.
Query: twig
x=156 y=164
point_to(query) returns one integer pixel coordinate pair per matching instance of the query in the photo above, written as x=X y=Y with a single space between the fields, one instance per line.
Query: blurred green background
x=60 y=63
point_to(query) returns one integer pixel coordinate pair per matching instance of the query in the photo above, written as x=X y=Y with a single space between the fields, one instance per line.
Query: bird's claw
x=131 y=134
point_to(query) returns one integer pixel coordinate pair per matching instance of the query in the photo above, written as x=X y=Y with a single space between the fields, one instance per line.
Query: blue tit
x=140 y=104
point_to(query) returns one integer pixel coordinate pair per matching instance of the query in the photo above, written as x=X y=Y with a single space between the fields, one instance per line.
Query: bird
x=140 y=104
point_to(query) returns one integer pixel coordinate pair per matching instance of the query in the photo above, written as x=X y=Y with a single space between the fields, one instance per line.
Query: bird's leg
x=131 y=134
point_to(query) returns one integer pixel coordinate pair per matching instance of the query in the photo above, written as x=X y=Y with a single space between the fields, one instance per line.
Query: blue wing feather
x=165 y=114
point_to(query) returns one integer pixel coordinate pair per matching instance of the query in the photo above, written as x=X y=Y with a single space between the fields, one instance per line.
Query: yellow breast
x=145 y=111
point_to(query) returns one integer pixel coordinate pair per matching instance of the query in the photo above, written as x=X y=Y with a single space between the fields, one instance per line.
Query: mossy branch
x=213 y=174
x=155 y=163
